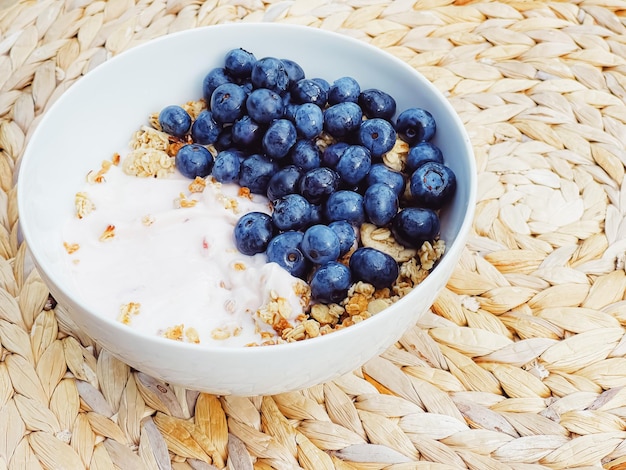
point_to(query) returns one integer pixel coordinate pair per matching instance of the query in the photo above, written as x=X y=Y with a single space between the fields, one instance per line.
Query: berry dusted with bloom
x=354 y=164
x=216 y=77
x=291 y=212
x=194 y=160
x=309 y=120
x=345 y=205
x=305 y=155
x=330 y=283
x=175 y=120
x=415 y=125
x=284 y=249
x=380 y=203
x=278 y=139
x=309 y=91
x=239 y=62
x=421 y=153
x=413 y=226
x=374 y=267
x=253 y=233
x=332 y=154
x=320 y=244
x=256 y=171
x=228 y=103
x=346 y=234
x=294 y=71
x=247 y=133
x=432 y=185
x=342 y=119
x=376 y=103
x=377 y=135
x=318 y=183
x=381 y=173
x=204 y=129
x=284 y=181
x=227 y=166
x=270 y=72
x=344 y=89
x=264 y=105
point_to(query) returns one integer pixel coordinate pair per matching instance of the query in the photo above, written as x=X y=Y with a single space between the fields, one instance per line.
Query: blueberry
x=175 y=120
x=354 y=164
x=377 y=135
x=227 y=166
x=345 y=205
x=216 y=77
x=228 y=103
x=320 y=244
x=344 y=89
x=204 y=129
x=421 y=153
x=318 y=183
x=323 y=83
x=376 y=103
x=284 y=249
x=415 y=125
x=256 y=171
x=247 y=133
x=381 y=173
x=278 y=139
x=264 y=105
x=343 y=118
x=309 y=91
x=317 y=214
x=294 y=72
x=239 y=62
x=224 y=139
x=330 y=283
x=270 y=72
x=305 y=155
x=194 y=160
x=309 y=120
x=291 y=212
x=432 y=185
x=253 y=233
x=332 y=153
x=380 y=203
x=413 y=226
x=346 y=234
x=284 y=181
x=373 y=267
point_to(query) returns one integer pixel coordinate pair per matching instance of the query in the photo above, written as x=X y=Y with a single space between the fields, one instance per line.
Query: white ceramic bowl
x=96 y=116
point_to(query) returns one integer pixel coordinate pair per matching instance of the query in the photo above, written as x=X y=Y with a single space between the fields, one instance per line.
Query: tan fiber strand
x=521 y=361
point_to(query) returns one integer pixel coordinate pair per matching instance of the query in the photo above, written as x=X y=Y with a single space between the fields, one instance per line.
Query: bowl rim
x=457 y=244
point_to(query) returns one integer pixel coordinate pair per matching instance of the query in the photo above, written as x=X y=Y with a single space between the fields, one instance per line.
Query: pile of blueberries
x=265 y=117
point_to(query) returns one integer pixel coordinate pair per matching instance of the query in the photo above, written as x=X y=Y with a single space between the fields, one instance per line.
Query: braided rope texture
x=520 y=364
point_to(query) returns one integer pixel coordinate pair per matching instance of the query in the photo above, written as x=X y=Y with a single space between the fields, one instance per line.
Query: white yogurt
x=180 y=264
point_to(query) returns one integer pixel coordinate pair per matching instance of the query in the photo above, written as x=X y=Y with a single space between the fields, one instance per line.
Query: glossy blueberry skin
x=216 y=77
x=294 y=71
x=194 y=160
x=309 y=120
x=247 y=133
x=381 y=173
x=376 y=103
x=227 y=166
x=354 y=164
x=323 y=83
x=318 y=183
x=305 y=155
x=317 y=214
x=264 y=105
x=377 y=135
x=345 y=205
x=421 y=153
x=415 y=125
x=284 y=181
x=380 y=203
x=320 y=244
x=432 y=185
x=412 y=226
x=175 y=120
x=344 y=89
x=374 y=267
x=309 y=91
x=253 y=233
x=256 y=171
x=342 y=119
x=291 y=212
x=205 y=130
x=284 y=249
x=238 y=62
x=332 y=153
x=224 y=139
x=270 y=72
x=228 y=103
x=278 y=139
x=346 y=234
x=330 y=283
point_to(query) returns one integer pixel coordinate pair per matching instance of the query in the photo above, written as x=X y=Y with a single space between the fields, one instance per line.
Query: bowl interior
x=98 y=114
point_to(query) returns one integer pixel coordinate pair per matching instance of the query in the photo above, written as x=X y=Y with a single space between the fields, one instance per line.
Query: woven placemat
x=521 y=362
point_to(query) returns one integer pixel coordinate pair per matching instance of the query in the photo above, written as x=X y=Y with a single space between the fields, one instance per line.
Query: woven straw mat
x=521 y=362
